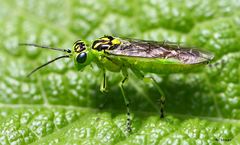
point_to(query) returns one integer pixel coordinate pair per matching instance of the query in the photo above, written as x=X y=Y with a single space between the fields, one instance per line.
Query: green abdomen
x=161 y=66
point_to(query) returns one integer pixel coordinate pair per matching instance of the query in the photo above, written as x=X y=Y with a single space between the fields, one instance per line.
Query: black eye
x=81 y=58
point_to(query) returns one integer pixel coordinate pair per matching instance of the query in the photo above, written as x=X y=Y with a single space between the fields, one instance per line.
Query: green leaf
x=59 y=105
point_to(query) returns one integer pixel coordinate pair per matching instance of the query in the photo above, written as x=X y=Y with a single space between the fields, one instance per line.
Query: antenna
x=45 y=47
x=49 y=62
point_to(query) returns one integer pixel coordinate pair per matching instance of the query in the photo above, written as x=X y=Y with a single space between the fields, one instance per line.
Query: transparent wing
x=163 y=50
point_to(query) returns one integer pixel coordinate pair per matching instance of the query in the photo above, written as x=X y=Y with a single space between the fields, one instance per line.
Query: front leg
x=103 y=87
x=126 y=101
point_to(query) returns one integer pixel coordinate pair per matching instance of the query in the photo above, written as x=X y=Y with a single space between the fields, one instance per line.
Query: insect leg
x=103 y=87
x=126 y=101
x=163 y=43
x=140 y=75
x=162 y=98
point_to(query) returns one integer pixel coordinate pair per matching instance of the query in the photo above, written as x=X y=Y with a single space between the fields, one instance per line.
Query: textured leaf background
x=59 y=105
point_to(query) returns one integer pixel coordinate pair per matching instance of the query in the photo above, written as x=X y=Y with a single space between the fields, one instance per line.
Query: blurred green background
x=59 y=105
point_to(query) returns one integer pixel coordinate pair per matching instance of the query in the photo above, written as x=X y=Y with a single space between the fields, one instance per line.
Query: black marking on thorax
x=104 y=44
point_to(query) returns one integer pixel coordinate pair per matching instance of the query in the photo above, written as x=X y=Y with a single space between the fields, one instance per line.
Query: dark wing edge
x=160 y=43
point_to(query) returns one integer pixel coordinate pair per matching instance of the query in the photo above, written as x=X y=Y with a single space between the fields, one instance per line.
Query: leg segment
x=162 y=98
x=103 y=87
x=148 y=79
x=126 y=101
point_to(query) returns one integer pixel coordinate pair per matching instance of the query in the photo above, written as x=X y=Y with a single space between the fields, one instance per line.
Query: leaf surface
x=59 y=105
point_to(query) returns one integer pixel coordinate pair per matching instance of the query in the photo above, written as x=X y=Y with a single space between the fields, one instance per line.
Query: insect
x=139 y=56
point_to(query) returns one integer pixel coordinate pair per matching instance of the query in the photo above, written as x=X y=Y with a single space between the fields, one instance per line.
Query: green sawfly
x=122 y=55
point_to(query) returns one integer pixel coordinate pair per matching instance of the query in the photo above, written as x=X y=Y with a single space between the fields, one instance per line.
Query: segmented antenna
x=45 y=47
x=51 y=61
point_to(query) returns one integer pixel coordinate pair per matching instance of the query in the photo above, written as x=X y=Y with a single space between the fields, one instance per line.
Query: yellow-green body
x=116 y=54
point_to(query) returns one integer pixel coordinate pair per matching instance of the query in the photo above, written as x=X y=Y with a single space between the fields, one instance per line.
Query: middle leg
x=126 y=100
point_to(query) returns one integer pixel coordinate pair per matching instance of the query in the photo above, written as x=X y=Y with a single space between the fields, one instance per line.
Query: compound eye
x=82 y=57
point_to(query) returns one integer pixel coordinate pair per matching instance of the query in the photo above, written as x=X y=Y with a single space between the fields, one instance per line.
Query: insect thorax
x=106 y=43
